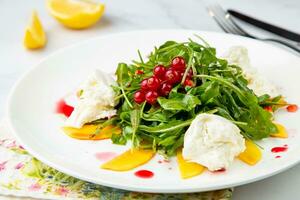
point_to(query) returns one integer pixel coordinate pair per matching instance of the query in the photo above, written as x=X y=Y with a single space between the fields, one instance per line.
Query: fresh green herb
x=219 y=88
x=135 y=119
x=180 y=102
x=123 y=80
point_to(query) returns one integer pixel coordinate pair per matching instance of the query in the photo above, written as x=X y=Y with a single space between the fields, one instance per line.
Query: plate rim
x=111 y=184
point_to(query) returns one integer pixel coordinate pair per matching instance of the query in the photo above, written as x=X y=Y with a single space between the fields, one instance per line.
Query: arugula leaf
x=159 y=116
x=211 y=90
x=220 y=88
x=135 y=119
x=122 y=73
x=118 y=139
x=123 y=79
x=180 y=102
x=165 y=127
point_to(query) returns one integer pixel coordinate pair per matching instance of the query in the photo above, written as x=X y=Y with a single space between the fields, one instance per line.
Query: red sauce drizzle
x=219 y=170
x=144 y=174
x=104 y=156
x=63 y=108
x=279 y=149
x=292 y=108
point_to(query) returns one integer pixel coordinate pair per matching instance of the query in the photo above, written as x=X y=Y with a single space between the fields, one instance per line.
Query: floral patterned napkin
x=21 y=175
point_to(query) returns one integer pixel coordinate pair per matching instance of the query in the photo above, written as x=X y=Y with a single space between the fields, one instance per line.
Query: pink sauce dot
x=159 y=161
x=34 y=187
x=2 y=141
x=219 y=170
x=144 y=174
x=292 y=108
x=105 y=156
x=62 y=191
x=279 y=149
x=11 y=145
x=19 y=166
x=2 y=165
x=63 y=108
x=277 y=156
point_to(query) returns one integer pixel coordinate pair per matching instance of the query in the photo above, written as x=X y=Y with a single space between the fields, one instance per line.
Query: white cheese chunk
x=96 y=100
x=212 y=141
x=238 y=55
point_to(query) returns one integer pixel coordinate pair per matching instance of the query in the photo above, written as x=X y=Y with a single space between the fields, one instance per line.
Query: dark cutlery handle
x=266 y=26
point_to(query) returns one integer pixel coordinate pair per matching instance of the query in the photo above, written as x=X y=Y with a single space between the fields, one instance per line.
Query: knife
x=266 y=26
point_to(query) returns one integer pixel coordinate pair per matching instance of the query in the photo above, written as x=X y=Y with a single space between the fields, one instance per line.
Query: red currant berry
x=144 y=84
x=178 y=63
x=268 y=108
x=139 y=72
x=165 y=89
x=189 y=74
x=153 y=83
x=139 y=97
x=151 y=97
x=188 y=82
x=159 y=71
x=172 y=76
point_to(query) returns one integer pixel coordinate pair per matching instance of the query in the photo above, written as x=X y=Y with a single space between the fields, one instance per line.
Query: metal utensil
x=265 y=26
x=225 y=21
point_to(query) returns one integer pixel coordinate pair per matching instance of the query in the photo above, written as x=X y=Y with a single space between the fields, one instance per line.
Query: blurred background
x=140 y=15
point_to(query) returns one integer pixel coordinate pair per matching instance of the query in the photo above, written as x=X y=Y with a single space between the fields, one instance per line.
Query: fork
x=227 y=24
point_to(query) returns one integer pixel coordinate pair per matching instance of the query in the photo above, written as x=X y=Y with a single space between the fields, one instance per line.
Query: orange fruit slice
x=35 y=36
x=78 y=14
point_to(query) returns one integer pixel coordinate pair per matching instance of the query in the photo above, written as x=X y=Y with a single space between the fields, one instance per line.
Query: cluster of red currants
x=162 y=81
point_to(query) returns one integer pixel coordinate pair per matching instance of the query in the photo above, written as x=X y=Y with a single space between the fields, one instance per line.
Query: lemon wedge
x=35 y=36
x=78 y=14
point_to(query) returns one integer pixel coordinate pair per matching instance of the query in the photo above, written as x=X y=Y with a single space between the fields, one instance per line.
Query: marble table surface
x=140 y=15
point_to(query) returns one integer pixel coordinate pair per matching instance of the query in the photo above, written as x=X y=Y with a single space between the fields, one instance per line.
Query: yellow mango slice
x=282 y=133
x=87 y=132
x=129 y=160
x=252 y=153
x=188 y=169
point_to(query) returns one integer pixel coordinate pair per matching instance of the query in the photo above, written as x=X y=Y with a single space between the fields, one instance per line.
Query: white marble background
x=126 y=15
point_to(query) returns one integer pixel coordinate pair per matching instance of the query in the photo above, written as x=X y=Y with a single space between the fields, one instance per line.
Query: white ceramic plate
x=37 y=127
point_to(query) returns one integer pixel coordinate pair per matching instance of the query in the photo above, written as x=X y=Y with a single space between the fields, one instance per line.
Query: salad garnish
x=178 y=82
x=181 y=100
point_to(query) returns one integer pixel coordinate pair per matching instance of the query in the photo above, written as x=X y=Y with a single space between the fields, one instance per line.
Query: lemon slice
x=76 y=14
x=35 y=36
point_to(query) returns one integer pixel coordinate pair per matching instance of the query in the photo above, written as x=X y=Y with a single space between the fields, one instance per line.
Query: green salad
x=160 y=96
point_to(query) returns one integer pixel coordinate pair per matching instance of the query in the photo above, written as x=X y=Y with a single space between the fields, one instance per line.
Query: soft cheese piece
x=96 y=100
x=238 y=55
x=212 y=141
